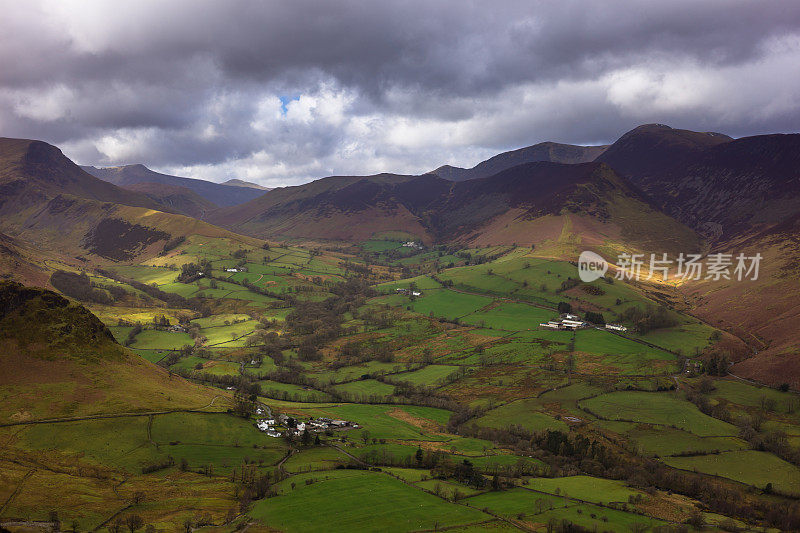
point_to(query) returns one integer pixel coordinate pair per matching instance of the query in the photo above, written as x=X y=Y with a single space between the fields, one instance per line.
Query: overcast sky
x=284 y=92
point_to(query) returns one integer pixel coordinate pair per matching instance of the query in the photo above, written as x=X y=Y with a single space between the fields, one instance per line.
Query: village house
x=408 y=292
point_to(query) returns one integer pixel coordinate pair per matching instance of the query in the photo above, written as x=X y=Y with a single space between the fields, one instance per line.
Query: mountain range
x=232 y=192
x=656 y=189
x=546 y=151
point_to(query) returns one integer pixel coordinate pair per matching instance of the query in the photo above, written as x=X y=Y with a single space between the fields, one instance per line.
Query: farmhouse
x=408 y=292
x=413 y=244
x=616 y=327
x=567 y=321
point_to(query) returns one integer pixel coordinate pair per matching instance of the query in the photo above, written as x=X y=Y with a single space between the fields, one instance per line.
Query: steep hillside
x=337 y=207
x=179 y=199
x=31 y=171
x=19 y=262
x=764 y=312
x=220 y=194
x=719 y=186
x=48 y=201
x=744 y=196
x=59 y=360
x=517 y=205
x=546 y=151
x=584 y=205
x=642 y=153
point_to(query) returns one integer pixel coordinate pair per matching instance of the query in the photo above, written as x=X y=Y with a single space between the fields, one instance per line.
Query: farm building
x=408 y=292
x=616 y=327
x=567 y=321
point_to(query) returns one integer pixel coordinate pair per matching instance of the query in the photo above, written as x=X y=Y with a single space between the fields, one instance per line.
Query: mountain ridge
x=546 y=151
x=219 y=194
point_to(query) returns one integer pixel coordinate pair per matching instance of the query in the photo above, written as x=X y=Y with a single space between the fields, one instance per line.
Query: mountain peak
x=547 y=151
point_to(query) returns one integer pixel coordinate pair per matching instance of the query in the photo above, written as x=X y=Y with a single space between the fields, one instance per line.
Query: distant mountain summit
x=720 y=186
x=32 y=171
x=242 y=183
x=546 y=151
x=219 y=194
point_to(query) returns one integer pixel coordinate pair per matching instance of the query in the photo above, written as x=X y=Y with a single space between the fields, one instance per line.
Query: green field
x=664 y=442
x=429 y=376
x=445 y=303
x=747 y=466
x=525 y=413
x=368 y=388
x=510 y=317
x=659 y=408
x=364 y=501
x=151 y=339
x=317 y=458
x=586 y=488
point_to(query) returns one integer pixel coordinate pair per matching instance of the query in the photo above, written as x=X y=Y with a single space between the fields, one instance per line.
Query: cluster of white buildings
x=567 y=321
x=413 y=244
x=316 y=425
x=267 y=425
x=572 y=322
x=408 y=292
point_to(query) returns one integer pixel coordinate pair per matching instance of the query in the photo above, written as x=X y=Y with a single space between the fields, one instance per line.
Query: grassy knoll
x=525 y=413
x=657 y=408
x=747 y=466
x=365 y=501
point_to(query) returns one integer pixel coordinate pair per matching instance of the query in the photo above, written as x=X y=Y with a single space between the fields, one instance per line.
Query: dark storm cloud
x=285 y=91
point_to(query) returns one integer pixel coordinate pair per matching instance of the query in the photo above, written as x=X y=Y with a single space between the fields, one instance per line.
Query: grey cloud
x=401 y=86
